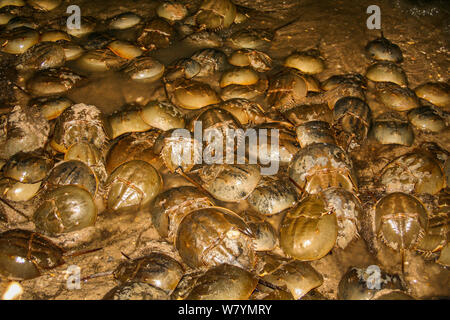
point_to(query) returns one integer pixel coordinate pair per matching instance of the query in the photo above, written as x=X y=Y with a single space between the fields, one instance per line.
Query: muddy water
x=336 y=28
x=111 y=90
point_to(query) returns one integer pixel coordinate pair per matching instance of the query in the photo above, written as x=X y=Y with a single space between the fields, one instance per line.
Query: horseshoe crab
x=413 y=172
x=391 y=128
x=144 y=69
x=214 y=236
x=319 y=166
x=171 y=206
x=73 y=172
x=99 y=60
x=16 y=191
x=25 y=255
x=124 y=49
x=124 y=20
x=352 y=120
x=383 y=49
x=19 y=40
x=265 y=235
x=27 y=168
x=136 y=146
x=285 y=90
x=43 y=55
x=215 y=14
x=132 y=186
x=87 y=26
x=426 y=119
x=223 y=282
x=127 y=120
x=305 y=62
x=438 y=93
x=12 y=3
x=314 y=132
x=349 y=212
x=302 y=114
x=72 y=51
x=238 y=91
x=210 y=61
x=157 y=33
x=230 y=183
x=52 y=82
x=309 y=230
x=396 y=97
x=51 y=108
x=355 y=79
x=54 y=36
x=272 y=196
x=178 y=152
x=386 y=71
x=204 y=39
x=278 y=149
x=190 y=94
x=296 y=277
x=162 y=115
x=240 y=76
x=444 y=257
x=89 y=155
x=436 y=237
x=245 y=111
x=255 y=59
x=136 y=291
x=400 y=221
x=218 y=128
x=365 y=283
x=172 y=11
x=254 y=39
x=156 y=269
x=79 y=123
x=154 y=115
x=65 y=209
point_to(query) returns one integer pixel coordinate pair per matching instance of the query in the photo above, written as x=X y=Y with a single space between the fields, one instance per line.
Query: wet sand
x=338 y=29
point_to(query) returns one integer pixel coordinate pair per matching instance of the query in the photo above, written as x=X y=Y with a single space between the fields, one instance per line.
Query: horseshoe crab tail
x=127 y=257
x=302 y=190
x=97 y=275
x=80 y=252
x=403 y=262
x=270 y=285
x=286 y=24
x=180 y=171
x=15 y=209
